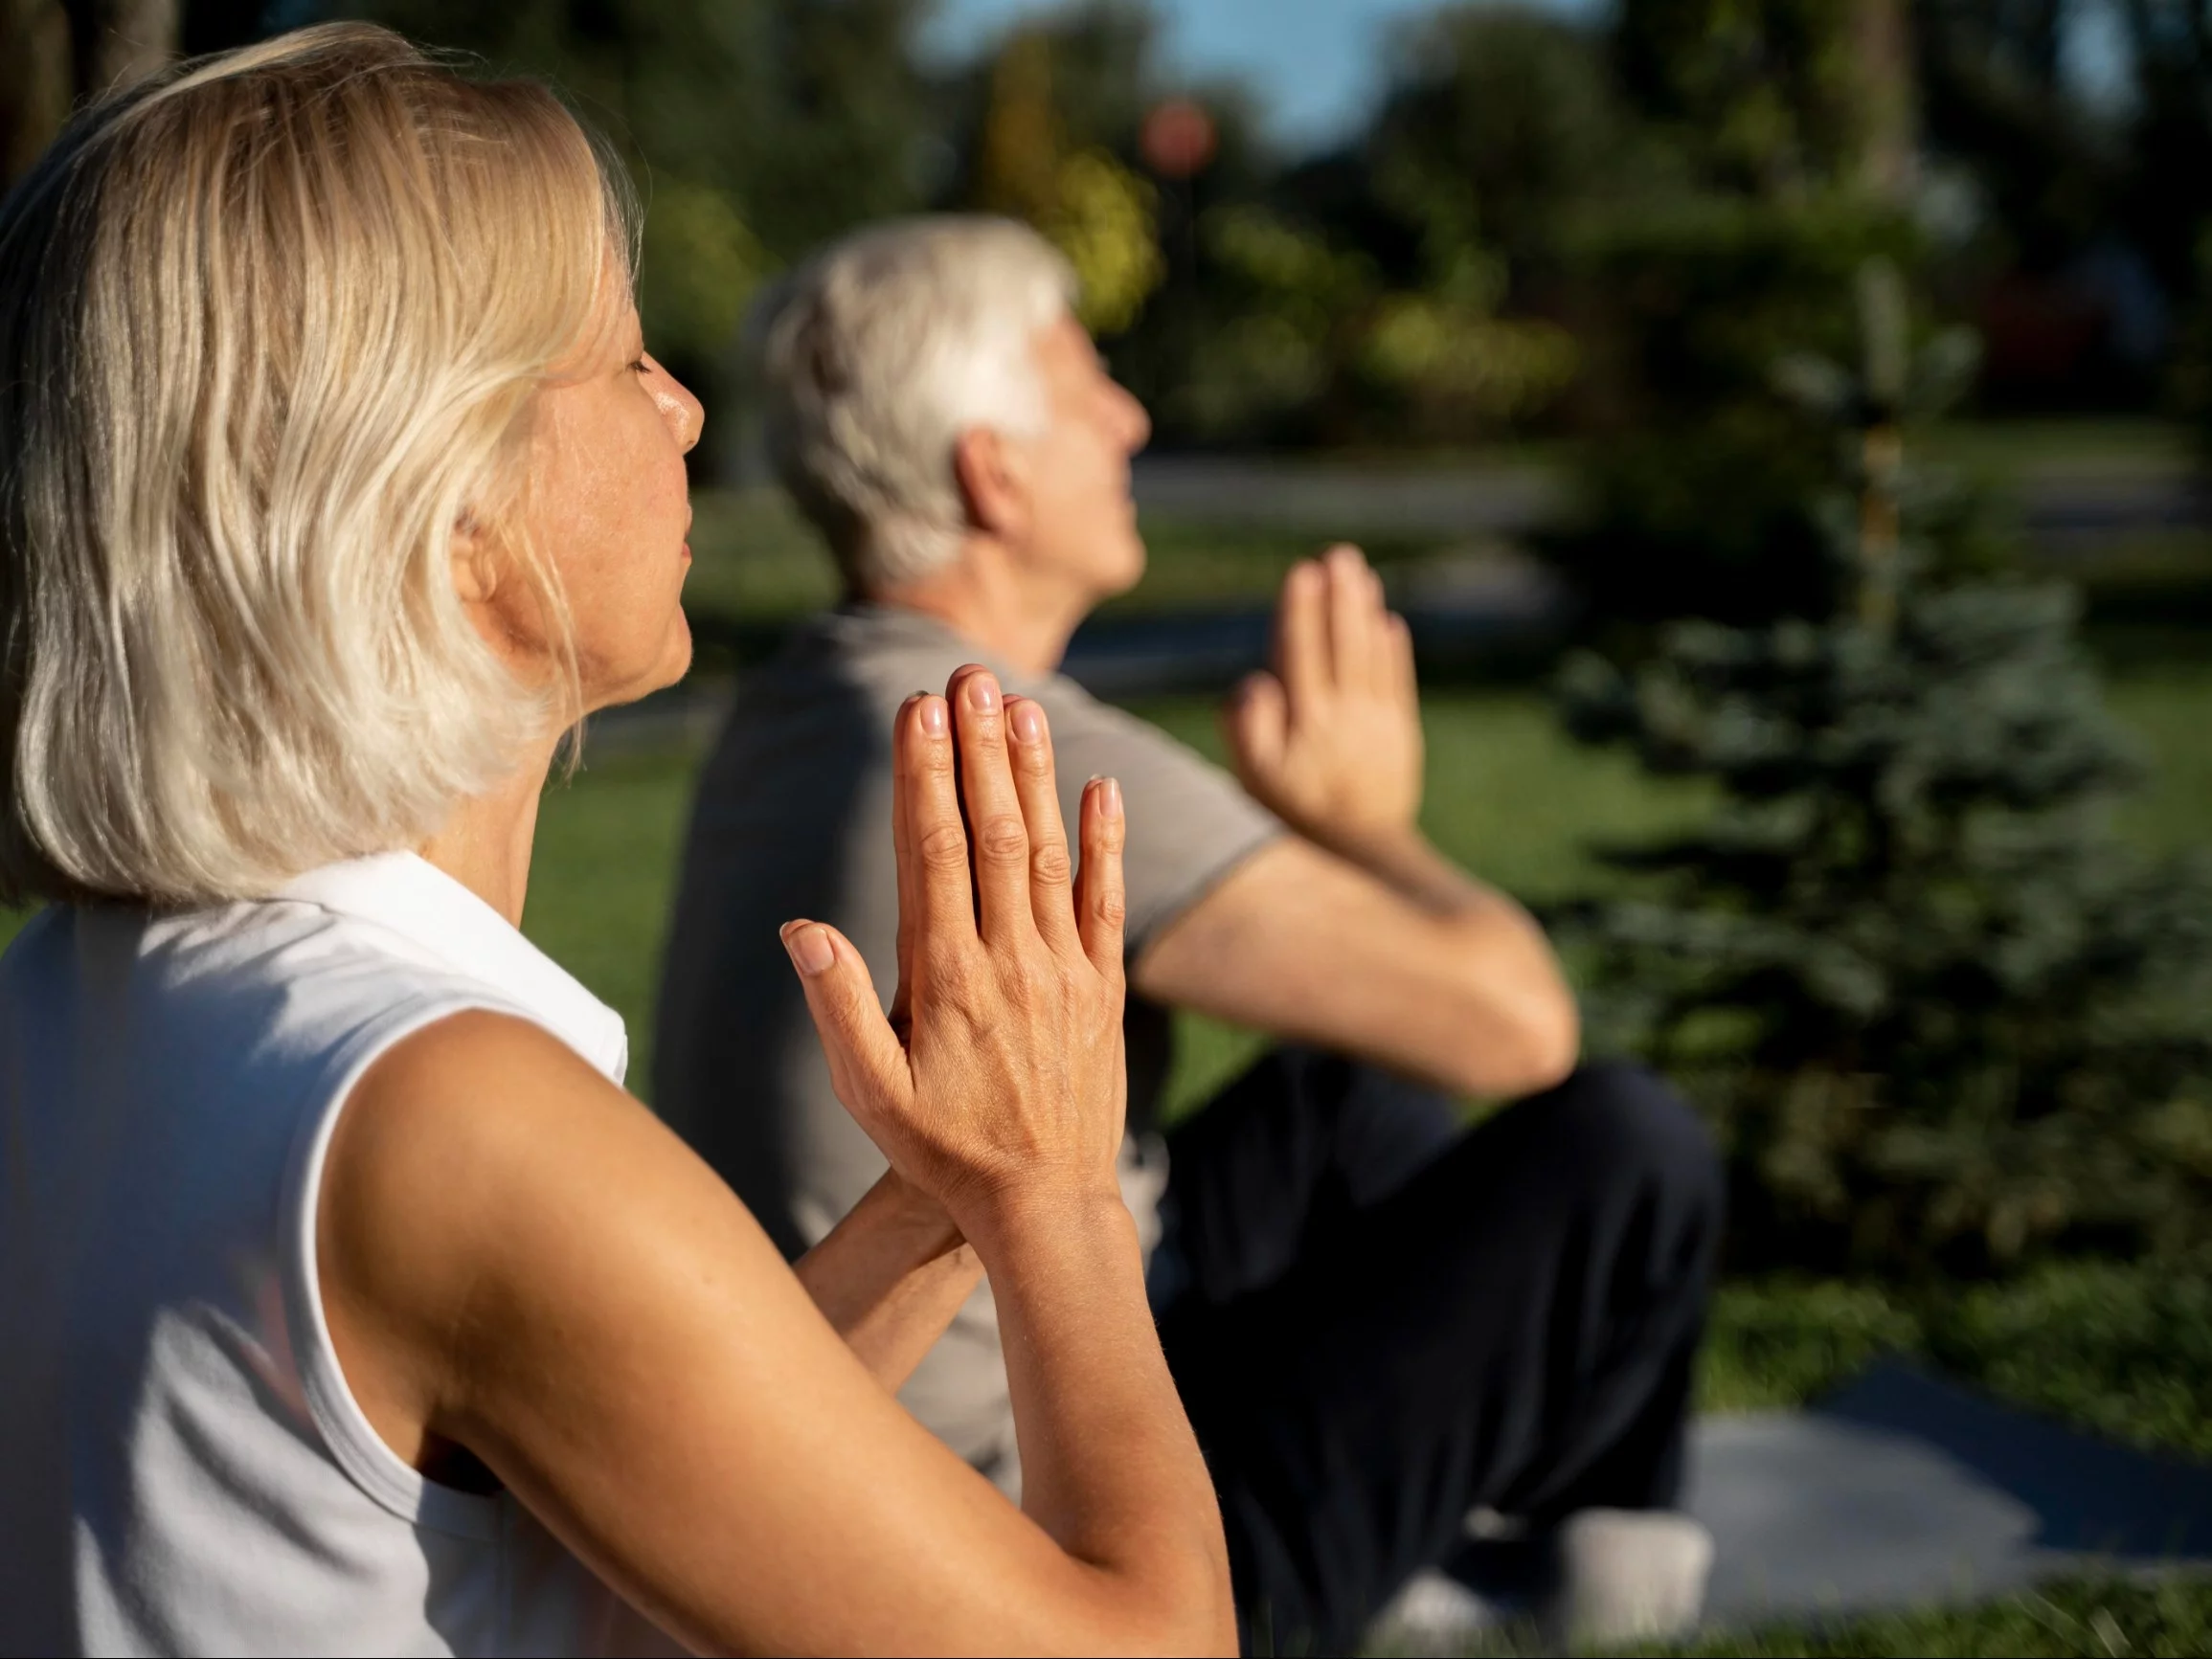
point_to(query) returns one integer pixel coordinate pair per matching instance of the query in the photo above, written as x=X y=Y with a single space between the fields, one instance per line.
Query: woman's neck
x=486 y=845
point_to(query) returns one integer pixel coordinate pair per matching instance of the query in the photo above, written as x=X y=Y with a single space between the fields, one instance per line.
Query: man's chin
x=1126 y=573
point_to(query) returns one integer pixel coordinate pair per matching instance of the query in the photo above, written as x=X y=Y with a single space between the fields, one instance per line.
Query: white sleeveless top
x=182 y=1467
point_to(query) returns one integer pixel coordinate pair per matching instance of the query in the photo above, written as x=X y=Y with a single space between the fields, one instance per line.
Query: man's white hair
x=878 y=353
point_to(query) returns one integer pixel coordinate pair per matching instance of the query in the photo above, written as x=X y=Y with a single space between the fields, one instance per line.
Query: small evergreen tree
x=1940 y=1015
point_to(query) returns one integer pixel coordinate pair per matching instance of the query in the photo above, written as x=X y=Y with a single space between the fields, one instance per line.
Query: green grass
x=2081 y=1615
x=602 y=876
x=2122 y=1352
x=2003 y=451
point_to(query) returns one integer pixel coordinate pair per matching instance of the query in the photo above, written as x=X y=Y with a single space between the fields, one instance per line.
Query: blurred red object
x=1178 y=139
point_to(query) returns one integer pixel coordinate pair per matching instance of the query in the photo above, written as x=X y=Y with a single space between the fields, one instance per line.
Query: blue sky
x=1316 y=63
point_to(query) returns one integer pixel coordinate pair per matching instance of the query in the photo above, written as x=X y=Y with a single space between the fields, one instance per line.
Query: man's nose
x=1137 y=423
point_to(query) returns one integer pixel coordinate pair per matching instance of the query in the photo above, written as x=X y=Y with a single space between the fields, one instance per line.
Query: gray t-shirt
x=793 y=819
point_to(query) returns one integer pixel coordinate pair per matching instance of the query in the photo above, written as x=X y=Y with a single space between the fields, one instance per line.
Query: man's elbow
x=1536 y=1048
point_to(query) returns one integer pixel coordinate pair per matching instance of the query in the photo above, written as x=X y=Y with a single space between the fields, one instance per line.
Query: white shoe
x=1628 y=1576
x=1434 y=1614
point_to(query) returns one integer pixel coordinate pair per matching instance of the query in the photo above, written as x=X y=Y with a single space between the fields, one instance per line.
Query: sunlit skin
x=1355 y=933
x=1054 y=526
x=529 y=1280
x=609 y=504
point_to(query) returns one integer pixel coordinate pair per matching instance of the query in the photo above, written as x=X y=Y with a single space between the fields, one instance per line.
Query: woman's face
x=608 y=504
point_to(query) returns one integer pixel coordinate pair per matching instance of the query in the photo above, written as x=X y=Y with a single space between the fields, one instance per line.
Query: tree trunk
x=1882 y=47
x=35 y=84
x=119 y=41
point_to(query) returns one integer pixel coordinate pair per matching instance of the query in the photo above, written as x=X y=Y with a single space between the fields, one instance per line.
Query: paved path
x=1903 y=1489
x=2065 y=507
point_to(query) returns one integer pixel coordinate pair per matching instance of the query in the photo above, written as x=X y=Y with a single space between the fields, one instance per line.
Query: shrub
x=1942 y=1016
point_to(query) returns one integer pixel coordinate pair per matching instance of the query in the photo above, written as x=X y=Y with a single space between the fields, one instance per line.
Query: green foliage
x=2094 y=1617
x=1317 y=328
x=755 y=131
x=699 y=266
x=1501 y=125
x=1098 y=212
x=1698 y=499
x=1106 y=220
x=1762 y=93
x=1940 y=1014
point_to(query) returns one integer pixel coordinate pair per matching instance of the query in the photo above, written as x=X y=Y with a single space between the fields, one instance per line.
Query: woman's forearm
x=1110 y=1467
x=890 y=1277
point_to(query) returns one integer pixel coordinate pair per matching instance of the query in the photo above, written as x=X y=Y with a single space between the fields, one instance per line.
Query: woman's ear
x=475 y=571
x=994 y=485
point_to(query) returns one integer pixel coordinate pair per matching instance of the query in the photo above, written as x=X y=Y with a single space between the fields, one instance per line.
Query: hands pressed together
x=997 y=1076
x=1330 y=741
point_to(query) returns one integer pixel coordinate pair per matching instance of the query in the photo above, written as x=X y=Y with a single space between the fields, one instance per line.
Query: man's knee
x=1632 y=1130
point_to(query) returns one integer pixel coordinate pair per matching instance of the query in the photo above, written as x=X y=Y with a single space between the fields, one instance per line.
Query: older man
x=1382 y=1321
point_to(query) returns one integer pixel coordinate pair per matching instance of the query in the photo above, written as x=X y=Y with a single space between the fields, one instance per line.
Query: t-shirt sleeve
x=1190 y=822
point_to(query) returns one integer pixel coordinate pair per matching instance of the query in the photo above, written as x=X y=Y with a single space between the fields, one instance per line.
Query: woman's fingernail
x=1110 y=797
x=933 y=716
x=811 y=952
x=1028 y=721
x=982 y=694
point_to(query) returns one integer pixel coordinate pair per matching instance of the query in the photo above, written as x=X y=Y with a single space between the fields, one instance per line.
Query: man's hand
x=1330 y=741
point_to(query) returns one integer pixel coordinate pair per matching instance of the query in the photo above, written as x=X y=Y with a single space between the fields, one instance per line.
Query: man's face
x=1082 y=522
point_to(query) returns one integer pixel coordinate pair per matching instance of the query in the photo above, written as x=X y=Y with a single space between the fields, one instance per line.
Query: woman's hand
x=997 y=1076
x=515 y=1258
x=1330 y=741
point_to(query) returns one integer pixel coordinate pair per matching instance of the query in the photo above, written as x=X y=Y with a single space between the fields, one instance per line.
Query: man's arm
x=1357 y=934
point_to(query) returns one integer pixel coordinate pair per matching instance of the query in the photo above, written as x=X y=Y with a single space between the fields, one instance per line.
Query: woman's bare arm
x=518 y=1259
x=890 y=1277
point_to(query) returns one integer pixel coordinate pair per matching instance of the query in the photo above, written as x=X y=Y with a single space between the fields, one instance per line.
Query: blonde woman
x=349 y=1302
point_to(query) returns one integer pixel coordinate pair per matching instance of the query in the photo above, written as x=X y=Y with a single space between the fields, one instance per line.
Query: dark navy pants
x=1380 y=1319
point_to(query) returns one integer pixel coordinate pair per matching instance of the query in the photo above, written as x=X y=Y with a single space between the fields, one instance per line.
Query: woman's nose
x=685 y=413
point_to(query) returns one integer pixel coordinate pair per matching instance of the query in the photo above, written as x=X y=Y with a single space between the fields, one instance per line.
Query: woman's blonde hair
x=271 y=327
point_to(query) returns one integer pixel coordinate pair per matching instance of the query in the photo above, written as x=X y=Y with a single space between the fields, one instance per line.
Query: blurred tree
x=1940 y=1015
x=1093 y=208
x=1793 y=121
x=1762 y=93
x=1019 y=150
x=1693 y=494
x=809 y=115
x=54 y=53
x=2170 y=141
x=755 y=131
x=1997 y=100
x=218 y=25
x=2168 y=182
x=1500 y=127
